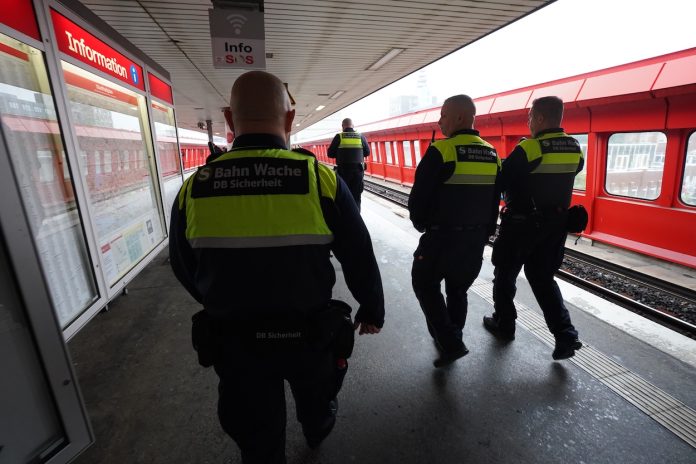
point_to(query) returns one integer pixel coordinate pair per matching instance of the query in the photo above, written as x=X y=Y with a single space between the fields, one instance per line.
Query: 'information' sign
x=238 y=38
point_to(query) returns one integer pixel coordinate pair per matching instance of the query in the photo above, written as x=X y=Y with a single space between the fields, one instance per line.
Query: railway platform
x=627 y=396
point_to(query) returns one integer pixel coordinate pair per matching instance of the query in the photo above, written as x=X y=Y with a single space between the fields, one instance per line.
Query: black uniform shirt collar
x=465 y=132
x=260 y=141
x=548 y=131
x=348 y=129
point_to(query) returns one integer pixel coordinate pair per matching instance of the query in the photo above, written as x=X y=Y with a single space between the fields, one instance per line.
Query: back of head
x=457 y=113
x=551 y=108
x=259 y=103
x=347 y=123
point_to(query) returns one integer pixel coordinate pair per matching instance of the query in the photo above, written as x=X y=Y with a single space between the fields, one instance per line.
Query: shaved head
x=347 y=123
x=259 y=103
x=457 y=113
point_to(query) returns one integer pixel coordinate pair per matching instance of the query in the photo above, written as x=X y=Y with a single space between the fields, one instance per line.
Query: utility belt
x=329 y=329
x=461 y=228
x=574 y=218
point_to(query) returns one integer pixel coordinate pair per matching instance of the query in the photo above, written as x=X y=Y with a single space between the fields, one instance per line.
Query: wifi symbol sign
x=237 y=21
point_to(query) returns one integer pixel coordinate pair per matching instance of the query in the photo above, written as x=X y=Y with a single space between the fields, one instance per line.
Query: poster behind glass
x=31 y=131
x=117 y=165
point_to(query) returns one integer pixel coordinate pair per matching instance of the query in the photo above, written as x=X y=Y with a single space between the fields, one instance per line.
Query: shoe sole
x=446 y=362
x=568 y=354
x=495 y=331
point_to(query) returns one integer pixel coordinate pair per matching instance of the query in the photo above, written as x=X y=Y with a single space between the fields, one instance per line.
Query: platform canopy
x=323 y=49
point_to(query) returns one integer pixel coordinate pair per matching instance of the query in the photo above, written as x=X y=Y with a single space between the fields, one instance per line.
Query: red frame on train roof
x=656 y=94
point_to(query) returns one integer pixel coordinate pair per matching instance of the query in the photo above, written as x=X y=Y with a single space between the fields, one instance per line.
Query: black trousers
x=538 y=245
x=455 y=257
x=251 y=405
x=352 y=174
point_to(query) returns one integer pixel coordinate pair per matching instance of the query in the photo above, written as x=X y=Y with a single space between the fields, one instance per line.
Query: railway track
x=663 y=302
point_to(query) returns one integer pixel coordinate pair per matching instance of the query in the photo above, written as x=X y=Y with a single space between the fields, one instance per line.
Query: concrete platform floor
x=150 y=402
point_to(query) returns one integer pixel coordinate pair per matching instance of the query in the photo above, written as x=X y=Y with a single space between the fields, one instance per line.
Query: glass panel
x=688 y=191
x=580 y=182
x=408 y=161
x=635 y=162
x=419 y=154
x=168 y=150
x=395 y=148
x=373 y=152
x=30 y=428
x=387 y=148
x=33 y=137
x=110 y=117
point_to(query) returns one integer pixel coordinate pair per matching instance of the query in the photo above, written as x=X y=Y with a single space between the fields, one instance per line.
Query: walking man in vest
x=537 y=179
x=250 y=239
x=350 y=149
x=455 y=202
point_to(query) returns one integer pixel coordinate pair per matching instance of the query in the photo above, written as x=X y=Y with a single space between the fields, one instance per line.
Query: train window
x=33 y=138
x=688 y=191
x=580 y=182
x=408 y=159
x=106 y=161
x=635 y=162
x=387 y=149
x=127 y=216
x=395 y=149
x=417 y=149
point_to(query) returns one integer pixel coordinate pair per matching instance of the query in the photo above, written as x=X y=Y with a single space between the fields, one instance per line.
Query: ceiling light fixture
x=319 y=108
x=390 y=55
x=297 y=125
x=337 y=94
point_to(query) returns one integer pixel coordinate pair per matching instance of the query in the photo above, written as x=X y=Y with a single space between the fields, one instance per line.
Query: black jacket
x=243 y=283
x=332 y=151
x=433 y=203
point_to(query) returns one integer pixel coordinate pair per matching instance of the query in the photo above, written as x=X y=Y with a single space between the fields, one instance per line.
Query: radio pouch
x=204 y=338
x=577 y=219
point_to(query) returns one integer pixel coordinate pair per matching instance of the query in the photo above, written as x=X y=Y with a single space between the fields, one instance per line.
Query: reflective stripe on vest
x=476 y=161
x=559 y=153
x=350 y=149
x=258 y=198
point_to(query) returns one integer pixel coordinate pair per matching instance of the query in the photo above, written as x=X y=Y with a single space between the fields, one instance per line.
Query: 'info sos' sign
x=238 y=38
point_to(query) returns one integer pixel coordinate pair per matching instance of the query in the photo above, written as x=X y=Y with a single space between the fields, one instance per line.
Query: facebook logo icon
x=134 y=73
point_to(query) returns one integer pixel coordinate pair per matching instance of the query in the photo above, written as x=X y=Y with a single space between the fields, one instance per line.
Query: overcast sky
x=566 y=38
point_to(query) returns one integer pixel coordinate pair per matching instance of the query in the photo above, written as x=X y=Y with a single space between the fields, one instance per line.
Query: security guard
x=537 y=179
x=350 y=149
x=454 y=200
x=251 y=236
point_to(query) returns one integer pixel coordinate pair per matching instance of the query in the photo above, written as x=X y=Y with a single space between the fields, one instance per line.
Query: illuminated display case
x=90 y=129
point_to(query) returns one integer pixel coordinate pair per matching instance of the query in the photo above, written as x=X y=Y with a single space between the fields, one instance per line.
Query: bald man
x=537 y=179
x=454 y=202
x=251 y=236
x=350 y=149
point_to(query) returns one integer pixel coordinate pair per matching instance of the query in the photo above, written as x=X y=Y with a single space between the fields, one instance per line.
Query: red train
x=637 y=124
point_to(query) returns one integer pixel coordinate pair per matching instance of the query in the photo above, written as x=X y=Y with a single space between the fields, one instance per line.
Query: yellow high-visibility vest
x=476 y=161
x=256 y=198
x=350 y=149
x=559 y=153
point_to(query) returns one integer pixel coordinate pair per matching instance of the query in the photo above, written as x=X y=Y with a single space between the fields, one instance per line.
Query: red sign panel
x=80 y=44
x=160 y=89
x=19 y=15
x=87 y=84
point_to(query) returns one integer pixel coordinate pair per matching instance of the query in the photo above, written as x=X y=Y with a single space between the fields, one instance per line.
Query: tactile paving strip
x=662 y=407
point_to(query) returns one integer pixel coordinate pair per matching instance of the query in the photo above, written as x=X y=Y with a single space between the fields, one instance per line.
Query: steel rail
x=658 y=285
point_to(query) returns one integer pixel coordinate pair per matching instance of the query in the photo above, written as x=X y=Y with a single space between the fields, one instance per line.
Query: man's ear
x=289 y=118
x=228 y=117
